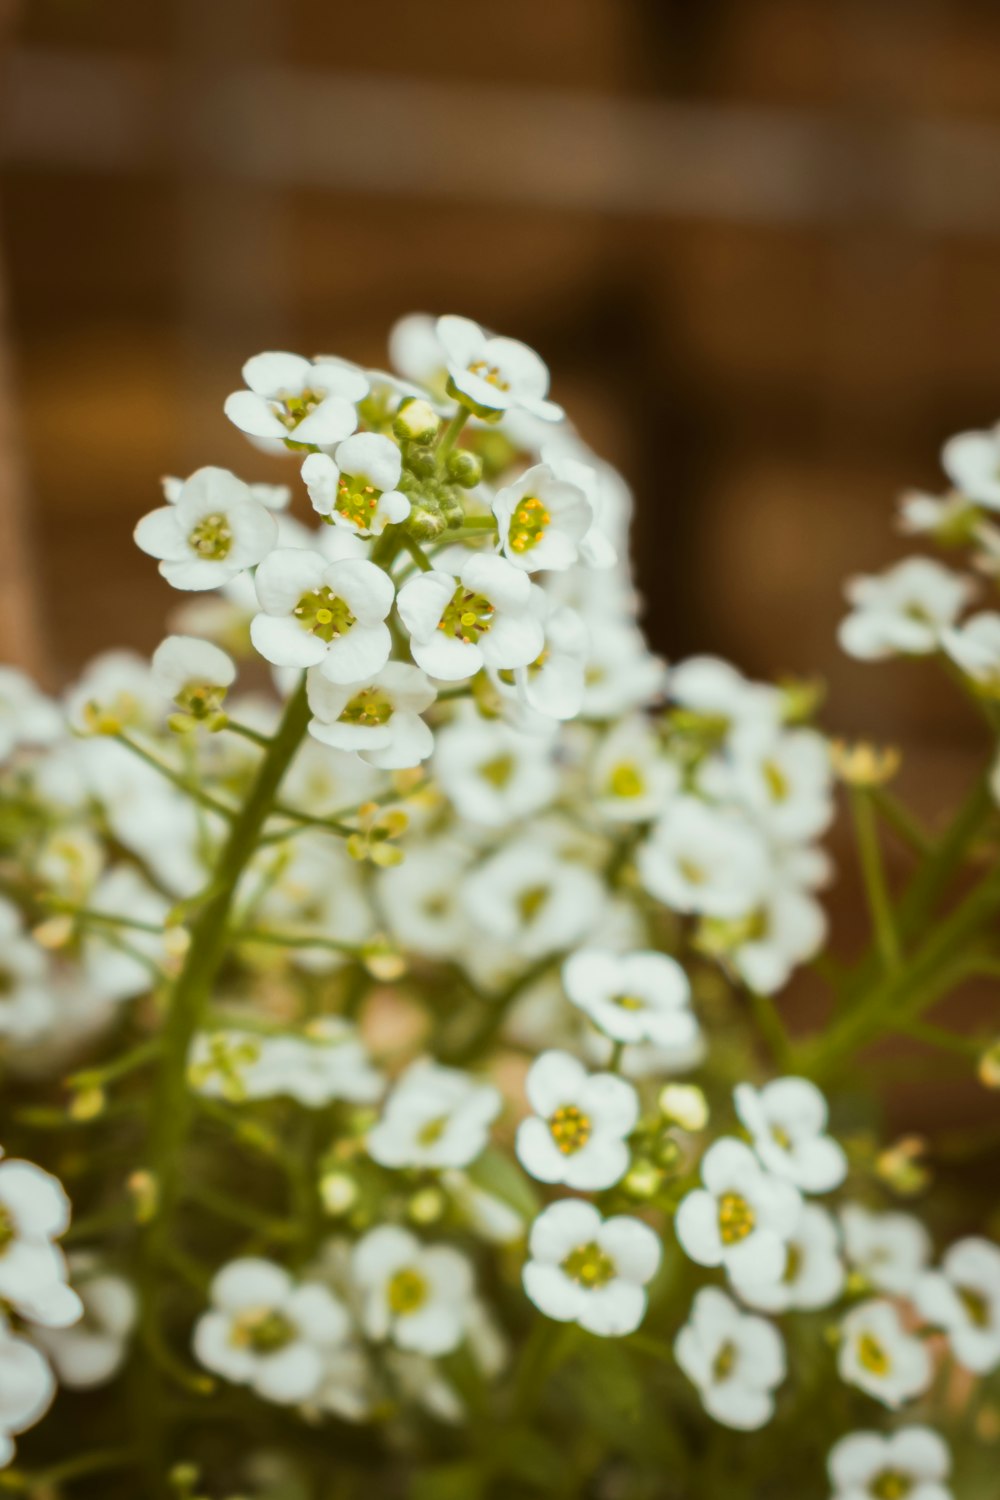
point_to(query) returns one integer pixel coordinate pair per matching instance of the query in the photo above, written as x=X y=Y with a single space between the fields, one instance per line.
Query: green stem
x=253 y=735
x=417 y=552
x=196 y=793
x=450 y=434
x=478 y=523
x=771 y=1028
x=902 y=821
x=873 y=873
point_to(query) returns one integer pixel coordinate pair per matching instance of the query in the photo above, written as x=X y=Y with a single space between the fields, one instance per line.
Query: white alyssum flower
x=435 y=1117
x=541 y=520
x=26 y=1001
x=277 y=497
x=215 y=530
x=631 y=779
x=481 y=618
x=294 y=399
x=880 y=1357
x=601 y=487
x=116 y=690
x=963 y=1298
x=704 y=859
x=329 y=615
x=269 y=1332
x=379 y=719
x=735 y=1359
x=579 y=1132
x=890 y=1250
x=492 y=374
x=532 y=899
x=764 y=948
x=622 y=674
x=974 y=647
x=787 y=1120
x=743 y=1218
x=328 y=1062
x=971 y=461
x=420 y=899
x=713 y=690
x=783 y=780
x=552 y=685
x=27 y=717
x=589 y=1270
x=121 y=971
x=414 y=1295
x=633 y=997
x=34 y=1212
x=356 y=489
x=903 y=611
x=27 y=1388
x=912 y=1462
x=814 y=1272
x=491 y=774
x=194 y=673
x=92 y=1352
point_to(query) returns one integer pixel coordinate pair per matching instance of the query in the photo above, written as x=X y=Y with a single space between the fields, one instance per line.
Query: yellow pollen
x=736 y=1218
x=872 y=1355
x=571 y=1128
x=407 y=1292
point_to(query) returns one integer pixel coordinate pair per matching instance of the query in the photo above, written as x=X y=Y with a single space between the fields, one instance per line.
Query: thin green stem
x=873 y=873
x=902 y=821
x=413 y=547
x=771 y=1028
x=450 y=433
x=292 y=940
x=177 y=778
x=253 y=735
x=478 y=523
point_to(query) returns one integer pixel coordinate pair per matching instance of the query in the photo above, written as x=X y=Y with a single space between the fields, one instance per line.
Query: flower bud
x=425 y=524
x=864 y=764
x=426 y=1206
x=685 y=1105
x=339 y=1192
x=989 y=1066
x=416 y=421
x=465 y=468
x=642 y=1180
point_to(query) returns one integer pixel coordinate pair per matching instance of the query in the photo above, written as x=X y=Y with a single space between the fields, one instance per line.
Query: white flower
x=357 y=490
x=743 y=1218
x=704 y=859
x=533 y=900
x=312 y=890
x=27 y=1387
x=902 y=611
x=588 y=1270
x=601 y=485
x=328 y=1062
x=787 y=1119
x=631 y=779
x=27 y=717
x=215 y=530
x=329 y=615
x=419 y=1297
x=783 y=780
x=434 y=1117
x=950 y=518
x=912 y=1461
x=481 y=618
x=736 y=1360
x=491 y=774
x=421 y=898
x=494 y=374
x=579 y=1132
x=26 y=1001
x=34 y=1212
x=117 y=690
x=276 y=497
x=552 y=685
x=93 y=1351
x=975 y=647
x=269 y=1332
x=194 y=673
x=813 y=1275
x=541 y=520
x=964 y=1299
x=971 y=461
x=786 y=929
x=880 y=1357
x=116 y=963
x=633 y=997
x=379 y=719
x=888 y=1249
x=622 y=674
x=291 y=398
x=713 y=689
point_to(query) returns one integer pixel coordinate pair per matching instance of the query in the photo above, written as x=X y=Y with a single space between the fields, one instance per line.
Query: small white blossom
x=880 y=1357
x=328 y=1062
x=578 y=1134
x=532 y=900
x=541 y=520
x=903 y=611
x=743 y=1218
x=889 y=1250
x=735 y=1359
x=787 y=1119
x=975 y=648
x=26 y=1001
x=600 y=484
x=491 y=774
x=329 y=615
x=117 y=689
x=421 y=898
x=378 y=719
x=434 y=1117
x=269 y=1332
x=632 y=997
x=214 y=531
x=589 y=1270
x=494 y=374
x=34 y=1212
x=294 y=399
x=622 y=674
x=814 y=1273
x=276 y=497
x=357 y=490
x=27 y=717
x=416 y=1296
x=971 y=461
x=481 y=618
x=714 y=690
x=704 y=859
x=783 y=780
x=93 y=1351
x=912 y=1461
x=764 y=948
x=963 y=1298
x=117 y=964
x=194 y=673
x=552 y=685
x=631 y=779
x=27 y=1388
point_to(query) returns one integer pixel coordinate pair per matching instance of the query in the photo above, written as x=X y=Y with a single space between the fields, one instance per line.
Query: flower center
x=262 y=1329
x=976 y=1306
x=490 y=373
x=872 y=1355
x=468 y=616
x=793 y=1265
x=8 y=1231
x=6 y=982
x=589 y=1266
x=776 y=781
x=432 y=1130
x=528 y=524
x=693 y=873
x=357 y=501
x=407 y=1292
x=571 y=1128
x=323 y=614
x=211 y=538
x=780 y=1137
x=291 y=410
x=370 y=708
x=724 y=1362
x=891 y=1485
x=736 y=1218
x=628 y=1002
x=626 y=780
x=498 y=771
x=531 y=900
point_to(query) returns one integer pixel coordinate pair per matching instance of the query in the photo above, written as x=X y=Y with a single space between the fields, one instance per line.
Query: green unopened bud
x=339 y=1192
x=685 y=1105
x=425 y=524
x=426 y=1206
x=667 y=1152
x=422 y=463
x=643 y=1179
x=416 y=421
x=465 y=468
x=989 y=1067
x=87 y=1104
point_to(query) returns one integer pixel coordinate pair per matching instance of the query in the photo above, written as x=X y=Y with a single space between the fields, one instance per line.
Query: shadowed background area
x=758 y=242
